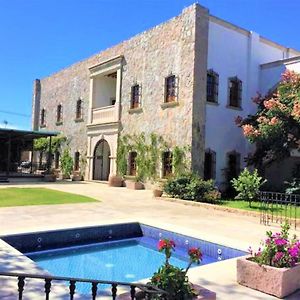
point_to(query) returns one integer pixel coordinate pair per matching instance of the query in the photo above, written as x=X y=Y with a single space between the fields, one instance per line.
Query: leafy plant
x=247 y=185
x=293 y=187
x=191 y=187
x=172 y=279
x=278 y=250
x=66 y=162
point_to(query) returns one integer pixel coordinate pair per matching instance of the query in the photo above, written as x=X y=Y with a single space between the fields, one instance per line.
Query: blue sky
x=39 y=37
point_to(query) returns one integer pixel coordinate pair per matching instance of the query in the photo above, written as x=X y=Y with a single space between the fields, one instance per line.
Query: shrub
x=278 y=250
x=172 y=279
x=293 y=187
x=247 y=185
x=191 y=187
x=66 y=163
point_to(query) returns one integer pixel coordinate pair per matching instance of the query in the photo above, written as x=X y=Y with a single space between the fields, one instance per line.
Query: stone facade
x=185 y=46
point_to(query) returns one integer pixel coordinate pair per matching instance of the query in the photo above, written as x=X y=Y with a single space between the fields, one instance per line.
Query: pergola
x=13 y=142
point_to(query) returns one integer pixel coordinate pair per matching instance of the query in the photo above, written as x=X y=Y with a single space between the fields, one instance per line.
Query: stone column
x=36 y=98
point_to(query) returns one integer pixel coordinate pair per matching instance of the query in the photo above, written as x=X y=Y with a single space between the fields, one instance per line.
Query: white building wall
x=234 y=52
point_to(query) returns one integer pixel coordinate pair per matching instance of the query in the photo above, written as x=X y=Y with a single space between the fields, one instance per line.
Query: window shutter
x=140 y=94
x=216 y=87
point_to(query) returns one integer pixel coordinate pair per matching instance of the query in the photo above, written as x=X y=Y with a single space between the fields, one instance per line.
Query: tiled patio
x=122 y=205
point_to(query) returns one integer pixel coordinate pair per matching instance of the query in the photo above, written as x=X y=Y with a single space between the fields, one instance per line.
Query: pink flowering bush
x=275 y=128
x=279 y=250
x=172 y=279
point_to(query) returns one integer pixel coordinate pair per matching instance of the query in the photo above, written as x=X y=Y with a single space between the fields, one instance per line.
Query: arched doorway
x=101 y=161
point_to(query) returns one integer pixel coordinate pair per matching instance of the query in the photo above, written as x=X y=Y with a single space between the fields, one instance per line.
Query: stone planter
x=203 y=294
x=157 y=193
x=115 y=181
x=134 y=185
x=50 y=177
x=279 y=282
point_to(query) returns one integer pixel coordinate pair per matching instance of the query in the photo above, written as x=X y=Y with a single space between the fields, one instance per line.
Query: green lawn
x=38 y=196
x=255 y=206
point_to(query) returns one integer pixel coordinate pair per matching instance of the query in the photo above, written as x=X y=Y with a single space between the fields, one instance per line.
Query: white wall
x=233 y=53
x=104 y=89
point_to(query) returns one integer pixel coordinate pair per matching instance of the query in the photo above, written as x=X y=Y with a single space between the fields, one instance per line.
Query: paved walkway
x=122 y=205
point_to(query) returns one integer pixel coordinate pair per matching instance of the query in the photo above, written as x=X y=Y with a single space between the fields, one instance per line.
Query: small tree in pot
x=66 y=163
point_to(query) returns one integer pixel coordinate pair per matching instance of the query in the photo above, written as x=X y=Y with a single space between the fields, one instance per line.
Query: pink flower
x=274 y=121
x=280 y=242
x=278 y=256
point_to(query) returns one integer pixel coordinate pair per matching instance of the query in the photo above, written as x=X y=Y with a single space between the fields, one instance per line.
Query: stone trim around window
x=59 y=123
x=136 y=110
x=169 y=104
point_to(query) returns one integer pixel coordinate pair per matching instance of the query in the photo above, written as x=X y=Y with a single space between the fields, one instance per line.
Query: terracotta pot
x=134 y=185
x=279 y=282
x=203 y=294
x=115 y=181
x=157 y=193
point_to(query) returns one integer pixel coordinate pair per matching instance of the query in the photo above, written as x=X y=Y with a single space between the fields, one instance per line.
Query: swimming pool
x=118 y=252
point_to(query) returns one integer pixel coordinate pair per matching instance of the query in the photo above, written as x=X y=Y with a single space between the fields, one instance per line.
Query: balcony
x=104 y=115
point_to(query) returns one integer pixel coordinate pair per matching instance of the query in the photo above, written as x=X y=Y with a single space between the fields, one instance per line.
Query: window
x=43 y=117
x=171 y=88
x=135 y=96
x=212 y=86
x=167 y=164
x=233 y=165
x=56 y=160
x=209 y=165
x=79 y=109
x=235 y=92
x=76 y=161
x=132 y=163
x=59 y=114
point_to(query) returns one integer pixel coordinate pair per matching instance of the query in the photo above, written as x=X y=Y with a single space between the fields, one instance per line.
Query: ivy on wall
x=149 y=154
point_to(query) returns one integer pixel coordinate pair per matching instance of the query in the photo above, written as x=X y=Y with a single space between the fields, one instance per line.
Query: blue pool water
x=129 y=261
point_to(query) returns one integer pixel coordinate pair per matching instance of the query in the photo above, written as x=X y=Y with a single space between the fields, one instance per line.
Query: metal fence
x=148 y=290
x=279 y=208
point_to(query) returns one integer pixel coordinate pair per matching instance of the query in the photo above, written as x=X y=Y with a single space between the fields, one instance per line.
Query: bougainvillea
x=275 y=128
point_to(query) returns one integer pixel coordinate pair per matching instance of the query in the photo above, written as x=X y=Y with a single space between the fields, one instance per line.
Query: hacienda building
x=186 y=80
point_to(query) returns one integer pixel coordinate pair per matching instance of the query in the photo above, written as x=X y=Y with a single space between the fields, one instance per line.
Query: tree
x=66 y=163
x=275 y=128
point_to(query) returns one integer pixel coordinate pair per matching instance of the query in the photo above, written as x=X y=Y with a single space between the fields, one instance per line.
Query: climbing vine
x=149 y=153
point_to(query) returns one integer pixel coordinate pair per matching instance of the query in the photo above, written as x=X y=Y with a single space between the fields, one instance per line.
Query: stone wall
x=149 y=58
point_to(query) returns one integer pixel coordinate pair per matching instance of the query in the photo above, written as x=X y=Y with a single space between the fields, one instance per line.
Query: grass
x=38 y=196
x=255 y=206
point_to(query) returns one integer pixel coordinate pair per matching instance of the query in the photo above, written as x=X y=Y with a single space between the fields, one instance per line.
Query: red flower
x=195 y=254
x=165 y=244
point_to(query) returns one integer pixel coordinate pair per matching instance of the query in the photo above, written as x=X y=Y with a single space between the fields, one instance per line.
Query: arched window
x=212 y=86
x=76 y=161
x=43 y=117
x=132 y=163
x=79 y=109
x=210 y=165
x=233 y=165
x=59 y=114
x=171 y=88
x=167 y=164
x=235 y=92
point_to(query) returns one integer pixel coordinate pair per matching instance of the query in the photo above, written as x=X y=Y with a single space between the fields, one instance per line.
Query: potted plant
x=66 y=164
x=50 y=177
x=115 y=180
x=134 y=183
x=274 y=269
x=76 y=176
x=158 y=189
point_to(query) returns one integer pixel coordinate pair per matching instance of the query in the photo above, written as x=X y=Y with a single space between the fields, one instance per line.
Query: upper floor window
x=212 y=86
x=132 y=163
x=167 y=165
x=171 y=88
x=209 y=165
x=76 y=161
x=79 y=109
x=43 y=117
x=135 y=96
x=235 y=92
x=59 y=114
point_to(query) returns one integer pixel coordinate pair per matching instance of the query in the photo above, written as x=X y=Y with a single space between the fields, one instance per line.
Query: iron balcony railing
x=148 y=290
